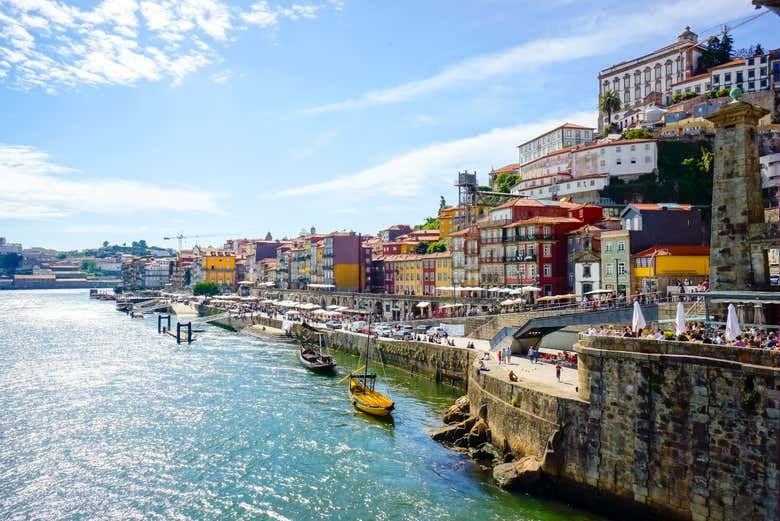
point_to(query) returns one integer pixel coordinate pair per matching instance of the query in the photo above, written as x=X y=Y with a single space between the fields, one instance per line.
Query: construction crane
x=181 y=237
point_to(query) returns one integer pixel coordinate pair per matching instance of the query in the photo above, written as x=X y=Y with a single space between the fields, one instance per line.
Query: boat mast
x=368 y=351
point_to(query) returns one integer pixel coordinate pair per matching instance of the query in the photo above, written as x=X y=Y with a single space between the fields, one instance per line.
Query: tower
x=737 y=258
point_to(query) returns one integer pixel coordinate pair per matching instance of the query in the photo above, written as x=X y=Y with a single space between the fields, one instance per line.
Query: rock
x=448 y=433
x=479 y=434
x=523 y=474
x=454 y=432
x=486 y=452
x=459 y=411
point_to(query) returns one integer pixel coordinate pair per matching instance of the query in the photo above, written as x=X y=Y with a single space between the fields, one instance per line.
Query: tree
x=208 y=289
x=717 y=52
x=422 y=248
x=431 y=223
x=436 y=247
x=505 y=181
x=609 y=102
x=758 y=50
x=105 y=244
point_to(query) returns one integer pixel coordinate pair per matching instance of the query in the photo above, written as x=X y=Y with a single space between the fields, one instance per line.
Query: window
x=763 y=71
x=608 y=270
x=751 y=85
x=617 y=149
x=763 y=83
x=608 y=247
x=547 y=250
x=752 y=73
x=618 y=161
x=739 y=76
x=647 y=146
x=726 y=77
x=593 y=183
x=633 y=160
x=621 y=268
x=547 y=270
x=586 y=270
x=750 y=61
x=633 y=147
x=621 y=246
x=716 y=78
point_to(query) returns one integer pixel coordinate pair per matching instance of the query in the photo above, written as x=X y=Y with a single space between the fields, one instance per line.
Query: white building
x=587 y=273
x=770 y=170
x=749 y=74
x=699 y=84
x=648 y=79
x=156 y=274
x=581 y=172
x=566 y=135
x=9 y=247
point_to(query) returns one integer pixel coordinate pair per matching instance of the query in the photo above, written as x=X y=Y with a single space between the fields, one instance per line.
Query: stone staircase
x=516 y=320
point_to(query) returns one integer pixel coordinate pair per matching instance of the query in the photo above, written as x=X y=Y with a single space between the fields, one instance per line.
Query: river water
x=101 y=418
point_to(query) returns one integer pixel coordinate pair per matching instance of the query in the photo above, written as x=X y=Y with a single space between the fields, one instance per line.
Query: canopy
x=508 y=302
x=308 y=306
x=530 y=289
x=333 y=306
x=679 y=321
x=638 y=320
x=423 y=304
x=495 y=290
x=446 y=288
x=732 y=324
x=599 y=292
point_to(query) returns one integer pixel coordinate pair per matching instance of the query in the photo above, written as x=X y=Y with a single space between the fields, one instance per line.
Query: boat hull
x=316 y=365
x=368 y=401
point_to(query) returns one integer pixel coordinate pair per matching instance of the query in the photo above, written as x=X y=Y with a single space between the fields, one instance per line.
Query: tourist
x=531 y=354
x=512 y=376
x=498 y=354
x=558 y=370
x=508 y=355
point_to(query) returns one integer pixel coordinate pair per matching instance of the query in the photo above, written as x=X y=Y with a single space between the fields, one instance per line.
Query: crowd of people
x=758 y=338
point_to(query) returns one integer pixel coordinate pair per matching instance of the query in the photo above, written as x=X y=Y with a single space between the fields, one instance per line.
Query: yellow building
x=219 y=266
x=659 y=267
x=443 y=270
x=447 y=221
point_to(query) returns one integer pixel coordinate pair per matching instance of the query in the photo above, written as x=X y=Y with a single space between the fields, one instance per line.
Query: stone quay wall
x=664 y=430
x=441 y=363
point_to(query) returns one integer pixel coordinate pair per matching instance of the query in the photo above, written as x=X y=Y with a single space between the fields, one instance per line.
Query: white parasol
x=679 y=321
x=638 y=320
x=732 y=324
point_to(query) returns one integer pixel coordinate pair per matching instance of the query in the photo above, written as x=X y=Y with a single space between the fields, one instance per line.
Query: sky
x=124 y=120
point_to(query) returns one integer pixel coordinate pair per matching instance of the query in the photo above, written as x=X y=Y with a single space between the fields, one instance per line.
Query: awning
x=530 y=289
x=508 y=302
x=599 y=291
x=423 y=304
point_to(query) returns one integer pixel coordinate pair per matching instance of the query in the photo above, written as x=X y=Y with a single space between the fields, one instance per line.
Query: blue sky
x=126 y=119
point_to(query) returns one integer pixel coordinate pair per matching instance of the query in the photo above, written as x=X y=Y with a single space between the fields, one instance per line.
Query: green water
x=101 y=418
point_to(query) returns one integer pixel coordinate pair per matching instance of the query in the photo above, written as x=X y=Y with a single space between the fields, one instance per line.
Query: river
x=102 y=418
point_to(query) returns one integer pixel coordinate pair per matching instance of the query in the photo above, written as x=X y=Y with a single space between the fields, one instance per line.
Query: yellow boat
x=364 y=398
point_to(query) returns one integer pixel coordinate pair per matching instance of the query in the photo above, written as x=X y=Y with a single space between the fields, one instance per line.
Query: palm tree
x=609 y=102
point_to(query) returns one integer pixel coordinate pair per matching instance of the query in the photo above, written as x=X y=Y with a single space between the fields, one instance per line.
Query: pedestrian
x=499 y=357
x=531 y=353
x=558 y=370
x=508 y=355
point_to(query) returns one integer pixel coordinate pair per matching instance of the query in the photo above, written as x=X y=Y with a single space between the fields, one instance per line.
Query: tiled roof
x=658 y=207
x=675 y=249
x=732 y=63
x=587 y=228
x=508 y=168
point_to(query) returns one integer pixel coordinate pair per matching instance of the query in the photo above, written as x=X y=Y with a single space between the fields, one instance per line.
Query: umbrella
x=530 y=289
x=732 y=324
x=679 y=322
x=638 y=320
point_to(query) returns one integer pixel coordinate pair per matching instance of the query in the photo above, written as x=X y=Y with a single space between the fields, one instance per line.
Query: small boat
x=316 y=360
x=362 y=394
x=364 y=398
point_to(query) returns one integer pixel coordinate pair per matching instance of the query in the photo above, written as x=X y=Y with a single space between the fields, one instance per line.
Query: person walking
x=558 y=370
x=499 y=356
x=508 y=355
x=531 y=354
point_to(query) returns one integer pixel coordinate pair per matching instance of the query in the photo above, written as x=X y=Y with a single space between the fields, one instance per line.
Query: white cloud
x=221 y=77
x=407 y=174
x=586 y=37
x=35 y=187
x=49 y=44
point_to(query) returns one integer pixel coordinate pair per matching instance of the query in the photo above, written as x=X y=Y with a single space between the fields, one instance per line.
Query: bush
x=677 y=98
x=690 y=95
x=637 y=133
x=722 y=93
x=208 y=289
x=609 y=129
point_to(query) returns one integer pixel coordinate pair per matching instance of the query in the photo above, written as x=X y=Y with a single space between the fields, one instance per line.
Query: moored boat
x=315 y=359
x=362 y=394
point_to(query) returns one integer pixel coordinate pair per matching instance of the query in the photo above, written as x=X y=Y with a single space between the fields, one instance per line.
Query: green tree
x=421 y=248
x=208 y=289
x=505 y=181
x=436 y=247
x=431 y=223
x=717 y=52
x=105 y=244
x=484 y=188
x=637 y=133
x=609 y=102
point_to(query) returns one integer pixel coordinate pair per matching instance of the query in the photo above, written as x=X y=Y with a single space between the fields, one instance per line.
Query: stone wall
x=441 y=363
x=664 y=430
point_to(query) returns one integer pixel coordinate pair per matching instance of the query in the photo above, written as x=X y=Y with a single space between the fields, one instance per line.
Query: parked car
x=333 y=324
x=422 y=328
x=384 y=330
x=358 y=326
x=402 y=334
x=406 y=327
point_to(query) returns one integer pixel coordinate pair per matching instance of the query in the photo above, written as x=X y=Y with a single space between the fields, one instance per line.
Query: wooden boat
x=365 y=399
x=316 y=360
x=362 y=394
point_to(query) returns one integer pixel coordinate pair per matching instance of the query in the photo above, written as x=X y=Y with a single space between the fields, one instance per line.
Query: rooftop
x=672 y=249
x=565 y=125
